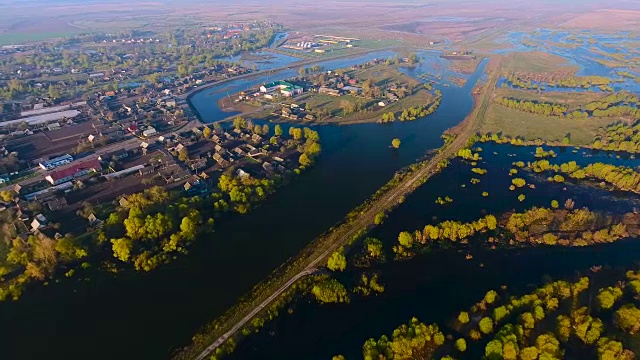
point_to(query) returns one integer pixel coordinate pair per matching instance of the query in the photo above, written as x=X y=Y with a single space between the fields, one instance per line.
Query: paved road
x=342 y=235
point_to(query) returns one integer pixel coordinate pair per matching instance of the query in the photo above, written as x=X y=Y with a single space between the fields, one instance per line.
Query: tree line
x=621 y=177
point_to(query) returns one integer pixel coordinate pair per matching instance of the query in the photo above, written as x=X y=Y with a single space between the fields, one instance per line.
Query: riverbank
x=354 y=225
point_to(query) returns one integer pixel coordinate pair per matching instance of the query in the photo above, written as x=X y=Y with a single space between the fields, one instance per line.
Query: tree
x=6 y=195
x=627 y=318
x=554 y=204
x=183 y=155
x=373 y=247
x=486 y=325
x=53 y=92
x=490 y=297
x=608 y=296
x=278 y=130
x=296 y=133
x=206 y=132
x=395 y=143
x=122 y=248
x=463 y=317
x=239 y=122
x=337 y=261
x=304 y=160
x=405 y=239
x=330 y=291
x=461 y=345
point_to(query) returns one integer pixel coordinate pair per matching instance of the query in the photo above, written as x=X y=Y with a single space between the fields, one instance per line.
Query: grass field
x=334 y=106
x=536 y=62
x=572 y=99
x=515 y=123
x=21 y=38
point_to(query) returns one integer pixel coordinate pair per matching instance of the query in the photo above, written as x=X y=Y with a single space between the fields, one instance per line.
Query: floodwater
x=435 y=286
x=148 y=315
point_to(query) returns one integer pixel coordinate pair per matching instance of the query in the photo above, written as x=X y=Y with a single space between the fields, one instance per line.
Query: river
x=146 y=316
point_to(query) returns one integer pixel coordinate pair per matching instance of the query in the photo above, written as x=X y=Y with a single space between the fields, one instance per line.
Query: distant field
x=19 y=38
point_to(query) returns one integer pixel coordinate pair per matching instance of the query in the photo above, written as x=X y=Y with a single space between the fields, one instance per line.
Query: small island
x=376 y=91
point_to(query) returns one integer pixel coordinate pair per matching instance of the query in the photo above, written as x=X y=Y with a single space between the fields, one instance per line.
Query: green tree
x=337 y=261
x=122 y=248
x=486 y=325
x=206 y=132
x=183 y=155
x=53 y=92
x=463 y=317
x=304 y=160
x=278 y=130
x=395 y=143
x=607 y=297
x=405 y=239
x=461 y=345
x=554 y=204
x=373 y=247
x=239 y=122
x=490 y=297
x=330 y=291
x=627 y=318
x=6 y=195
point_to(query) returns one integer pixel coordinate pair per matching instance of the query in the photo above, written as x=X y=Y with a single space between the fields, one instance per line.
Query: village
x=97 y=135
x=341 y=95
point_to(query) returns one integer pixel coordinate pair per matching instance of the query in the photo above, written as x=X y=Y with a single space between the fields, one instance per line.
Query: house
x=114 y=155
x=256 y=138
x=219 y=148
x=328 y=91
x=219 y=159
x=150 y=131
x=57 y=204
x=267 y=166
x=39 y=222
x=74 y=171
x=93 y=220
x=383 y=103
x=55 y=162
x=286 y=88
x=241 y=173
x=53 y=127
x=198 y=164
x=238 y=151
